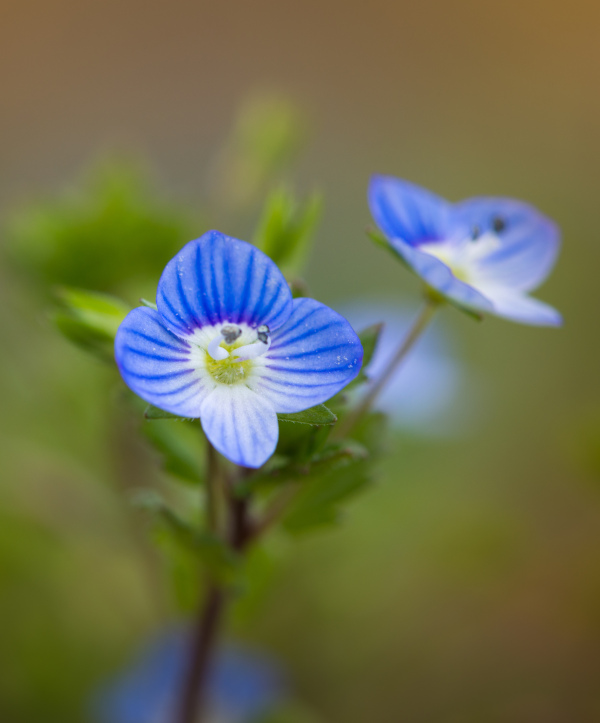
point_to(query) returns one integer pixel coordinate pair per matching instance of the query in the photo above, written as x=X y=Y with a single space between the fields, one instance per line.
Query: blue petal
x=405 y=211
x=244 y=685
x=517 y=306
x=217 y=279
x=530 y=240
x=435 y=273
x=314 y=355
x=241 y=684
x=156 y=364
x=240 y=424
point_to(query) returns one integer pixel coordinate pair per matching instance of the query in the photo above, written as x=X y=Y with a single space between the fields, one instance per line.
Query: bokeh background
x=464 y=585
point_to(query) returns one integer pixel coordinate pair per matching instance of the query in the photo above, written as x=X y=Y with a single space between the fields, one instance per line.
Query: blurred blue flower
x=228 y=344
x=242 y=685
x=485 y=254
x=420 y=396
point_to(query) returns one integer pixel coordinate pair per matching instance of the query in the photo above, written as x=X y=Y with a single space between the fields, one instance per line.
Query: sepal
x=315 y=416
x=153 y=413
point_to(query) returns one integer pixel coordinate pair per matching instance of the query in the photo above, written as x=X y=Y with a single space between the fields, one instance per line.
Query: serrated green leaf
x=153 y=413
x=324 y=460
x=286 y=228
x=299 y=442
x=315 y=416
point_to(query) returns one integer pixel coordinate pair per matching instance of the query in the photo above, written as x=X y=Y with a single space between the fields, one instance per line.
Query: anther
x=263 y=334
x=230 y=333
x=257 y=348
x=498 y=224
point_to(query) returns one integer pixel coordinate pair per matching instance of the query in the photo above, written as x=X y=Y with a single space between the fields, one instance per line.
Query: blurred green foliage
x=285 y=231
x=109 y=231
x=268 y=132
x=89 y=319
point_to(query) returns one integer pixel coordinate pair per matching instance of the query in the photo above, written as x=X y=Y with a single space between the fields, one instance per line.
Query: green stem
x=418 y=327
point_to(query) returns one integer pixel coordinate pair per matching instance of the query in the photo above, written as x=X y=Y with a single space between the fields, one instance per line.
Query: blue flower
x=420 y=396
x=484 y=254
x=229 y=345
x=242 y=685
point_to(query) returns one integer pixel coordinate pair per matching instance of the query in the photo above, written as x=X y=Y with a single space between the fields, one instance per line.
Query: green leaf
x=109 y=230
x=315 y=416
x=153 y=413
x=319 y=502
x=317 y=458
x=90 y=339
x=99 y=311
x=89 y=319
x=286 y=228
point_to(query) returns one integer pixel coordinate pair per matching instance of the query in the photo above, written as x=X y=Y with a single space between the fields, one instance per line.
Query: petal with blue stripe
x=403 y=210
x=314 y=355
x=529 y=241
x=217 y=279
x=158 y=366
x=517 y=306
x=439 y=276
x=240 y=424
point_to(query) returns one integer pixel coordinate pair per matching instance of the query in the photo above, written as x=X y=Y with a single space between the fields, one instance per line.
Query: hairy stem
x=418 y=327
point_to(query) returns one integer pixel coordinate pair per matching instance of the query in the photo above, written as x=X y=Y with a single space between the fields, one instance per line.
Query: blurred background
x=464 y=585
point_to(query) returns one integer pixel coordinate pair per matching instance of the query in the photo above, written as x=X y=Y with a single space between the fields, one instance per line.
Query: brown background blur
x=466 y=585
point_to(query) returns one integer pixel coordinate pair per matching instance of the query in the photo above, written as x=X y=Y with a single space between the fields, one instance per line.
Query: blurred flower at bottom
x=243 y=685
x=420 y=396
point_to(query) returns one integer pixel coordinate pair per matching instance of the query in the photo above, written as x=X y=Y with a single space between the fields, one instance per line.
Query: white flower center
x=229 y=334
x=230 y=353
x=463 y=256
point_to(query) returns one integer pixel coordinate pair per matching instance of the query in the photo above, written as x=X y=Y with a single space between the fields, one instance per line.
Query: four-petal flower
x=484 y=254
x=229 y=345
